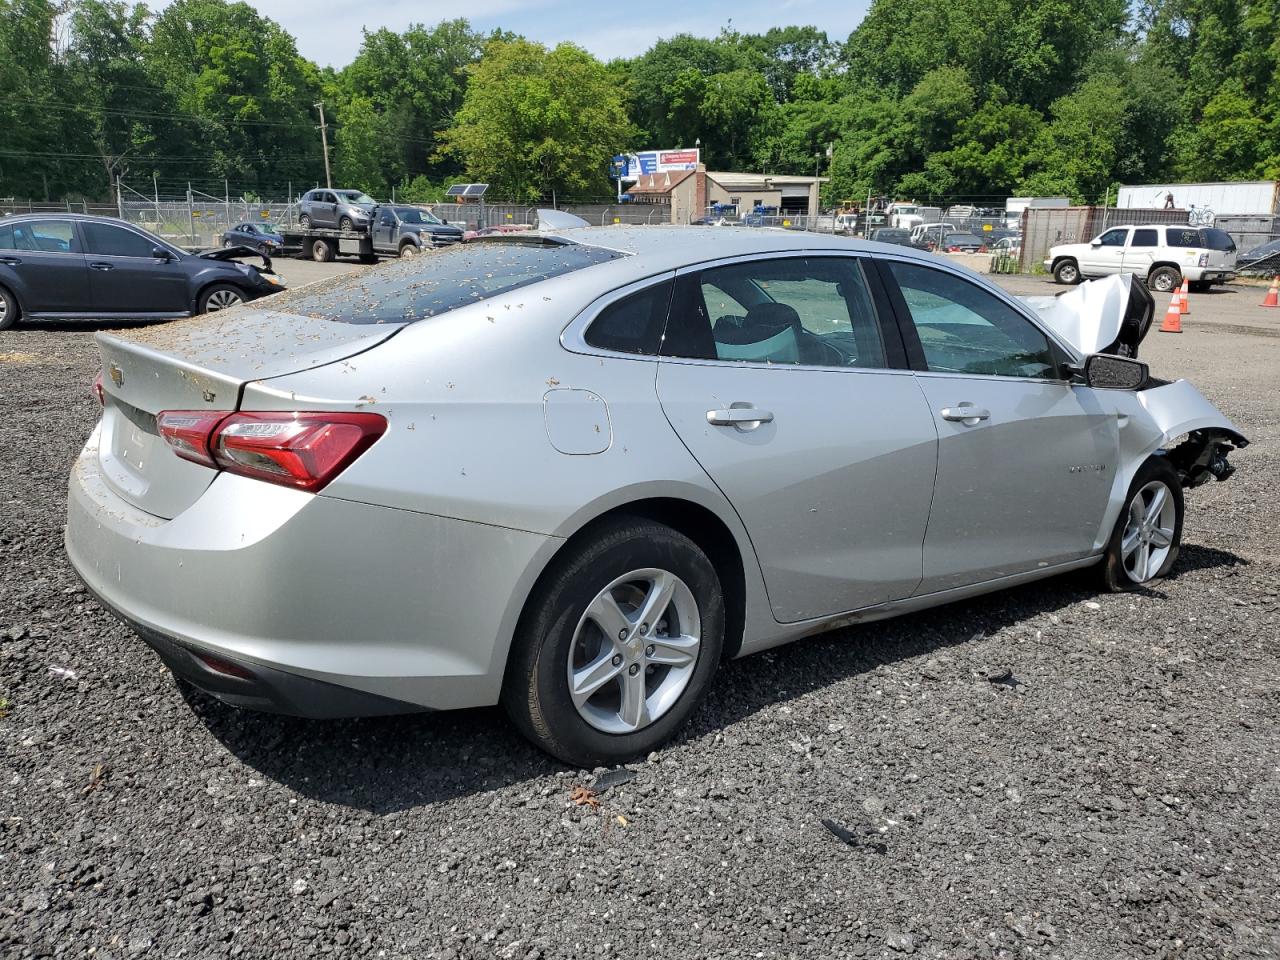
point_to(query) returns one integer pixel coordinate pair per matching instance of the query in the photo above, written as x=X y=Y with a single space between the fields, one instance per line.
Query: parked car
x=335 y=209
x=1008 y=246
x=405 y=231
x=961 y=242
x=66 y=266
x=259 y=236
x=930 y=235
x=574 y=472
x=896 y=235
x=1162 y=255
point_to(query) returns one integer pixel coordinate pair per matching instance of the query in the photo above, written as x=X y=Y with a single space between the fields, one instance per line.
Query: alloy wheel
x=1148 y=531
x=634 y=651
x=221 y=299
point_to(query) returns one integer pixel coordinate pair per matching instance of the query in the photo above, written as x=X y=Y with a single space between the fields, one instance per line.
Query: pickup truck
x=394 y=230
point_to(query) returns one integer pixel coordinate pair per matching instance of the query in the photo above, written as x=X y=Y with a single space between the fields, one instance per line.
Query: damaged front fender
x=1179 y=410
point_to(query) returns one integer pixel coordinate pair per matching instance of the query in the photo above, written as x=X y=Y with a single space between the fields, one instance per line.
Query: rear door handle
x=746 y=417
x=100 y=266
x=965 y=413
x=10 y=261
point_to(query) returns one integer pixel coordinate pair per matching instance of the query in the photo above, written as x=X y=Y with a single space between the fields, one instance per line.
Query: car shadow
x=387 y=764
x=83 y=326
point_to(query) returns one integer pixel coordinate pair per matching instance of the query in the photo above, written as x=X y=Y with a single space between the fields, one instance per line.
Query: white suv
x=1160 y=254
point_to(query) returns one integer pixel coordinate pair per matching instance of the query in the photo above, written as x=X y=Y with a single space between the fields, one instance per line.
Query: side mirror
x=1095 y=243
x=443 y=220
x=160 y=253
x=1107 y=372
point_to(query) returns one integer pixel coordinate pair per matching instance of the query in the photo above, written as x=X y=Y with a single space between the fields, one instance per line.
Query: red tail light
x=304 y=450
x=98 y=390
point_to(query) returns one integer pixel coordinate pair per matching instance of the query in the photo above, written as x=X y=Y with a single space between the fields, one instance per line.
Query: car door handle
x=10 y=261
x=100 y=266
x=737 y=416
x=965 y=413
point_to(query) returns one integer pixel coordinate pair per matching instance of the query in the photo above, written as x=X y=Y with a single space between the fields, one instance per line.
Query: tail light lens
x=303 y=450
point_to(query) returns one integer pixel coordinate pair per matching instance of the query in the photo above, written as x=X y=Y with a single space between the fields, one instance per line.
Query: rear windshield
x=424 y=286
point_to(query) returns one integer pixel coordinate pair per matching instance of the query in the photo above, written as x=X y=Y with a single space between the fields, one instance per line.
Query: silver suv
x=338 y=209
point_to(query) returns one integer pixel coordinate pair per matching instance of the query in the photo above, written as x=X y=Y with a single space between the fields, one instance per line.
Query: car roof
x=658 y=248
x=64 y=215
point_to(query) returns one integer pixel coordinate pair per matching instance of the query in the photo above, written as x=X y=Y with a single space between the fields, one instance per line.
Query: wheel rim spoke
x=1162 y=537
x=608 y=616
x=658 y=599
x=589 y=679
x=1157 y=504
x=674 y=651
x=1130 y=543
x=635 y=702
x=1141 y=564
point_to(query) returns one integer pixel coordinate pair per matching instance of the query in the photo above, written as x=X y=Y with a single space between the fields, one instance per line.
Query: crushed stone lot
x=1049 y=772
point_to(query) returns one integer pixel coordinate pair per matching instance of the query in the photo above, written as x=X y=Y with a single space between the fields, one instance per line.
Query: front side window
x=812 y=311
x=45 y=236
x=1114 y=238
x=387 y=218
x=964 y=329
x=634 y=323
x=1144 y=238
x=108 y=240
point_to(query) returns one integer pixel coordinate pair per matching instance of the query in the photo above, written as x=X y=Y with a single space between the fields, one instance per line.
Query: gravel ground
x=1114 y=797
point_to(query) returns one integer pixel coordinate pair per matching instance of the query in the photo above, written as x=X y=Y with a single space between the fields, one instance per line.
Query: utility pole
x=324 y=141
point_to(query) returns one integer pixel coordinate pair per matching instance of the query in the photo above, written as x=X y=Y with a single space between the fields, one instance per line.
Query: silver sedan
x=573 y=471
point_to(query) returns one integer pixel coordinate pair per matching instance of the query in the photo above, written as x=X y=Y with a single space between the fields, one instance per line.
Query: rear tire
x=220 y=296
x=304 y=222
x=10 y=312
x=647 y=689
x=322 y=251
x=1164 y=279
x=1144 y=544
x=1067 y=271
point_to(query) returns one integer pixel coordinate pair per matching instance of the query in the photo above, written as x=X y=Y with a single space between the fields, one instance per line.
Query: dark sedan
x=962 y=243
x=73 y=266
x=260 y=236
x=892 y=235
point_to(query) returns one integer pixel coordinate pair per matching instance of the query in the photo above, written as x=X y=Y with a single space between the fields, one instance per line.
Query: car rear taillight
x=188 y=431
x=303 y=450
x=98 y=390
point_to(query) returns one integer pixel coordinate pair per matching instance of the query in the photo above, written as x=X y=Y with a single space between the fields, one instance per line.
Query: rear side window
x=1183 y=237
x=6 y=238
x=1218 y=240
x=1144 y=238
x=418 y=287
x=634 y=323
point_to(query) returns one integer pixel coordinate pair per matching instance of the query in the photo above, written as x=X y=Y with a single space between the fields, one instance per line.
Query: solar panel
x=475 y=189
x=457 y=190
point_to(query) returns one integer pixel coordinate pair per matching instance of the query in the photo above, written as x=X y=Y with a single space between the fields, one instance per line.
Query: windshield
x=414 y=215
x=403 y=291
x=355 y=196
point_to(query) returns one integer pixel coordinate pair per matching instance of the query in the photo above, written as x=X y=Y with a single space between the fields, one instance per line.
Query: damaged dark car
x=74 y=266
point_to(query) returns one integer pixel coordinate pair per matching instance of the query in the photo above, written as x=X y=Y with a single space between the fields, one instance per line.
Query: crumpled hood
x=1111 y=315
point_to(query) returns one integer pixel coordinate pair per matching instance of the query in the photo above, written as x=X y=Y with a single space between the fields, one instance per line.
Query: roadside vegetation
x=924 y=98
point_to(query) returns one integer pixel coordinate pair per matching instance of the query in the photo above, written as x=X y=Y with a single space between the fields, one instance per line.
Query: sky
x=328 y=31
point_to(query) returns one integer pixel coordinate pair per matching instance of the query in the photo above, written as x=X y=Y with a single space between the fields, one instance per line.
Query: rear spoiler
x=238 y=253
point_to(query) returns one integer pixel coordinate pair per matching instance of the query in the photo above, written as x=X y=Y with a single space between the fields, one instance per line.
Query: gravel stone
x=1119 y=804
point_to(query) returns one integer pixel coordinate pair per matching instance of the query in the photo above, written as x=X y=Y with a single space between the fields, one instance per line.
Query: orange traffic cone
x=1183 y=306
x=1173 y=317
x=1273 y=295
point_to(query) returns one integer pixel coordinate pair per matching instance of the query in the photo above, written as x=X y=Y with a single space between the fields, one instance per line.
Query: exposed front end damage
x=1180 y=410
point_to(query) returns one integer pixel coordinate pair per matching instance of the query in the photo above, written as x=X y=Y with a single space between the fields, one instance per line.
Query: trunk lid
x=199 y=364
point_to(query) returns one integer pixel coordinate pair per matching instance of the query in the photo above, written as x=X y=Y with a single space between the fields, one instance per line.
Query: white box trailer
x=1224 y=199
x=1014 y=206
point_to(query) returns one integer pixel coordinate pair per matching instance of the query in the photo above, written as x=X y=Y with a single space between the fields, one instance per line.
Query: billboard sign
x=656 y=161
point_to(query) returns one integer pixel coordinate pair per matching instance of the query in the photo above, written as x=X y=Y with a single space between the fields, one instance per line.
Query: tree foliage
x=926 y=98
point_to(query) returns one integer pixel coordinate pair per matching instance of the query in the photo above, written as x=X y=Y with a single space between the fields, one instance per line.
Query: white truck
x=1159 y=254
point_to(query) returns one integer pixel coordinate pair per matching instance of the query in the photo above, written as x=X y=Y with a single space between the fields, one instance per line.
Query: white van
x=1162 y=255
x=931 y=234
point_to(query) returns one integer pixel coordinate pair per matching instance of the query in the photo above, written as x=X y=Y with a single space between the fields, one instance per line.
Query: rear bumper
x=334 y=608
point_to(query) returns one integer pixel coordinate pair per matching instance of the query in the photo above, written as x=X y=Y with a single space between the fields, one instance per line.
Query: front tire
x=408 y=249
x=220 y=296
x=9 y=310
x=618 y=645
x=1067 y=271
x=1144 y=544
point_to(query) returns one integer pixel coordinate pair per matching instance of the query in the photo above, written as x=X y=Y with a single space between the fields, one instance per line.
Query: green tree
x=536 y=122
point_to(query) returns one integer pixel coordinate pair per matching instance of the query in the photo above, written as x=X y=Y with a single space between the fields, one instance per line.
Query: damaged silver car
x=573 y=471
